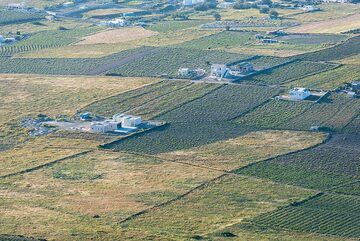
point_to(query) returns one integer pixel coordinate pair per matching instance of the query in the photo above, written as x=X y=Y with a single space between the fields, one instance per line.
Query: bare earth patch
x=330 y=26
x=118 y=36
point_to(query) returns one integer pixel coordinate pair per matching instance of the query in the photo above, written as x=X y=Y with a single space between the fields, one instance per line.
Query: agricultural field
x=202 y=121
x=344 y=50
x=242 y=151
x=22 y=95
x=329 y=80
x=226 y=201
x=273 y=114
x=336 y=112
x=117 y=36
x=11 y=17
x=322 y=167
x=171 y=25
x=330 y=26
x=215 y=158
x=136 y=98
x=48 y=39
x=325 y=214
x=167 y=61
x=290 y=71
x=72 y=191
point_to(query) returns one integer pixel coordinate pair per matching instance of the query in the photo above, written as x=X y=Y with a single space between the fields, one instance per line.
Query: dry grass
x=25 y=94
x=353 y=60
x=227 y=201
x=119 y=35
x=41 y=151
x=241 y=151
x=112 y=185
x=329 y=26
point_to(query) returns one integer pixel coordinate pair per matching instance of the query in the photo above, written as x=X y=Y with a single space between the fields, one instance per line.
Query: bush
x=273 y=14
x=264 y=10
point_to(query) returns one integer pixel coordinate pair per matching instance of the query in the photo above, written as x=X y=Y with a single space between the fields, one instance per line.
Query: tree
x=217 y=16
x=240 y=5
x=273 y=14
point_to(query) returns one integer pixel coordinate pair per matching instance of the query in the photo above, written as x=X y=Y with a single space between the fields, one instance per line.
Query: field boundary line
x=160 y=96
x=181 y=196
x=114 y=95
x=189 y=101
x=328 y=137
x=48 y=164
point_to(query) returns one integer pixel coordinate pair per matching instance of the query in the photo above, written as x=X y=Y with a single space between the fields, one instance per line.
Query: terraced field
x=326 y=214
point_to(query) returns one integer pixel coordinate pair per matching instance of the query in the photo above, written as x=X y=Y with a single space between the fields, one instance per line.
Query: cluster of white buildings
x=187 y=72
x=188 y=3
x=116 y=22
x=117 y=122
x=222 y=71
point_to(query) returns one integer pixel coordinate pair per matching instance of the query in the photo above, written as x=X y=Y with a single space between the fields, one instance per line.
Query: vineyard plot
x=325 y=214
x=202 y=121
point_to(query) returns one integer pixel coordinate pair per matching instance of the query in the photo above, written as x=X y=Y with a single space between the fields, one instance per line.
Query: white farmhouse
x=117 y=22
x=218 y=70
x=15 y=6
x=299 y=93
x=68 y=4
x=127 y=120
x=184 y=72
x=105 y=126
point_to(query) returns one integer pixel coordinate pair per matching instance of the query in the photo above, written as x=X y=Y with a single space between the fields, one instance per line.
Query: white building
x=309 y=8
x=15 y=6
x=218 y=70
x=225 y=5
x=117 y=22
x=106 y=126
x=299 y=93
x=127 y=120
x=192 y=2
x=68 y=4
x=184 y=72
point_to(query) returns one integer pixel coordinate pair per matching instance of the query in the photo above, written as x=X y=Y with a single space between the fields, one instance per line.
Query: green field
x=273 y=114
x=16 y=17
x=347 y=49
x=288 y=72
x=167 y=61
x=48 y=39
x=202 y=121
x=331 y=79
x=325 y=214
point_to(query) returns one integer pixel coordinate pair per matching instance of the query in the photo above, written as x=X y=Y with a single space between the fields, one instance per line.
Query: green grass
x=325 y=214
x=331 y=79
